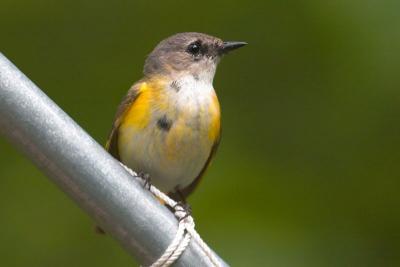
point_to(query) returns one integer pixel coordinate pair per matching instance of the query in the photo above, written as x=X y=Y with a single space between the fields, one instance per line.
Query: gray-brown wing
x=112 y=142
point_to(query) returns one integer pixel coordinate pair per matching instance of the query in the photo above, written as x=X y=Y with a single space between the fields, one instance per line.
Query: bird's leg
x=185 y=207
x=177 y=195
x=146 y=178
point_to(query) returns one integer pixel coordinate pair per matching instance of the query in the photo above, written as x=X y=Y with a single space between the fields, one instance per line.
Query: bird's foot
x=146 y=178
x=182 y=207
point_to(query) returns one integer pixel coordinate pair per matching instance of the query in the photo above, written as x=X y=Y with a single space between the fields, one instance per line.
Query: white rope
x=185 y=231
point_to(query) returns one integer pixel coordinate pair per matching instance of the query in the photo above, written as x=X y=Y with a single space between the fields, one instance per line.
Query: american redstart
x=168 y=125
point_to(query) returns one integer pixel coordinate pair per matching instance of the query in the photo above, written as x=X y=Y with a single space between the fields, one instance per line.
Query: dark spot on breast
x=164 y=123
x=196 y=77
x=175 y=85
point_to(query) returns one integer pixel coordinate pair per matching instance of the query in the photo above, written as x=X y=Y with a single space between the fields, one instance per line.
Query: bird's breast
x=169 y=131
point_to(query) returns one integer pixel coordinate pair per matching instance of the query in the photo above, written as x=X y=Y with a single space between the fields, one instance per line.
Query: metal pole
x=86 y=172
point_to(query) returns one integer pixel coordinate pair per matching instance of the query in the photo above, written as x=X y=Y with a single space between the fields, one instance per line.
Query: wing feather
x=112 y=142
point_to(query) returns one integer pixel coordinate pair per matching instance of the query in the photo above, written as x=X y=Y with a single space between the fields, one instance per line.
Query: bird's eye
x=194 y=48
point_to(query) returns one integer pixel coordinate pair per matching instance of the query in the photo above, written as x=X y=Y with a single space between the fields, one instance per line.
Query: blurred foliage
x=308 y=170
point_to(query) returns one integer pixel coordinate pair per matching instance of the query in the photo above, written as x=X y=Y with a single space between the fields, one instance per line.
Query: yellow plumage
x=177 y=156
x=168 y=126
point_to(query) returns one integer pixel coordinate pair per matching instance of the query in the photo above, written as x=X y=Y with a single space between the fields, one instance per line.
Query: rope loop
x=186 y=231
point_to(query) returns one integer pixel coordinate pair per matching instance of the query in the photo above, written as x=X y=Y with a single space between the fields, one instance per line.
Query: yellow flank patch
x=138 y=115
x=215 y=125
x=108 y=143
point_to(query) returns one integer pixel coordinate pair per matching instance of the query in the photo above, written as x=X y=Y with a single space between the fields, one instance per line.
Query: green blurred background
x=307 y=173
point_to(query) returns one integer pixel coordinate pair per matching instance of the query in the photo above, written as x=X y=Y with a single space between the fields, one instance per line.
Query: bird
x=168 y=126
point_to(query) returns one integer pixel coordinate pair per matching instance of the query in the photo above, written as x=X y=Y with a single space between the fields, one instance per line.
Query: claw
x=146 y=178
x=186 y=208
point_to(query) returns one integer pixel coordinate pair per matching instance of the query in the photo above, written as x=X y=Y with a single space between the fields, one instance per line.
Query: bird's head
x=188 y=53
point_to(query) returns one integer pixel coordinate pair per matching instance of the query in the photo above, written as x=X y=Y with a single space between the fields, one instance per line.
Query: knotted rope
x=185 y=231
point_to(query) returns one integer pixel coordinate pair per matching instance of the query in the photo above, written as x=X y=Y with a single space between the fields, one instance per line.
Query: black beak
x=229 y=46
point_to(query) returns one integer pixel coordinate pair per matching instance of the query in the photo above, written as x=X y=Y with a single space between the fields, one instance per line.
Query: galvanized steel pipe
x=85 y=171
